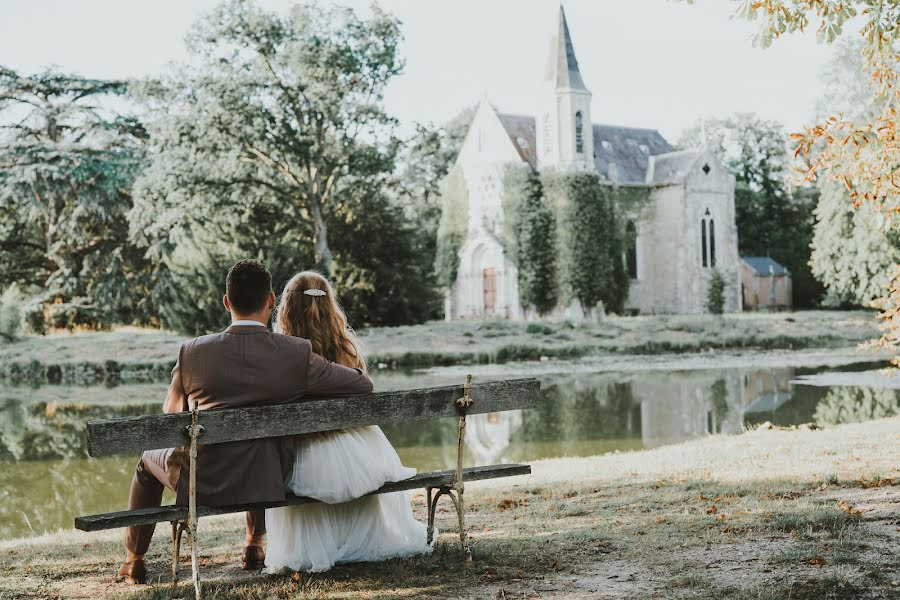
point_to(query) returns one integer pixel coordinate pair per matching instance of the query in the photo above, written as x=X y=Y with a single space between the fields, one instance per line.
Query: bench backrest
x=132 y=435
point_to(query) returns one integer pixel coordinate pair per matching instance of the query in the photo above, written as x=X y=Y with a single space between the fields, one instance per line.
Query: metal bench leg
x=456 y=490
x=177 y=530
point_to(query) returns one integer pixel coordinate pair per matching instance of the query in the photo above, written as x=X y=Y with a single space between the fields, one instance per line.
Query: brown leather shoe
x=253 y=559
x=133 y=572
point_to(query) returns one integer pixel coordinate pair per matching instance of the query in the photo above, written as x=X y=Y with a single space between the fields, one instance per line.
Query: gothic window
x=631 y=250
x=703 y=242
x=579 y=139
x=708 y=240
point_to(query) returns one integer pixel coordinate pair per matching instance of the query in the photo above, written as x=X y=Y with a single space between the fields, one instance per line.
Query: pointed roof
x=562 y=66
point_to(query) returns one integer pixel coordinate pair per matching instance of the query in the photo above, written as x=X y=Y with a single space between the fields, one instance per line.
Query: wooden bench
x=132 y=435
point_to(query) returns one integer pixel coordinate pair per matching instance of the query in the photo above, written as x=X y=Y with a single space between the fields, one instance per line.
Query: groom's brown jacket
x=248 y=366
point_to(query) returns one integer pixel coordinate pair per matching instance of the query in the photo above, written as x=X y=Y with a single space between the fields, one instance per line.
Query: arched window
x=708 y=240
x=579 y=139
x=631 y=250
x=703 y=241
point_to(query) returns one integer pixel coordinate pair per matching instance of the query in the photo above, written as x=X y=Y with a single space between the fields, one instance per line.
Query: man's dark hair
x=248 y=286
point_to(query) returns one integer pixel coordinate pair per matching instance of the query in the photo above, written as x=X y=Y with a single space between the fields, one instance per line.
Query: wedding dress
x=339 y=468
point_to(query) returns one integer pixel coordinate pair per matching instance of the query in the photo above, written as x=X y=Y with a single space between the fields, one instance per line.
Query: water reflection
x=46 y=479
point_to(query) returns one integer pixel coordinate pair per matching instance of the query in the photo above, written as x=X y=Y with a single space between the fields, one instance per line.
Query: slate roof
x=521 y=131
x=562 y=66
x=628 y=147
x=672 y=166
x=761 y=265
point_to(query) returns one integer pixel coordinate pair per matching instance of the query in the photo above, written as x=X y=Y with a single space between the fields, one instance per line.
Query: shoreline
x=805 y=513
x=146 y=356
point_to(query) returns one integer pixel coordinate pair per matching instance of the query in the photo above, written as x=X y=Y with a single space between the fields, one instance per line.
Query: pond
x=587 y=407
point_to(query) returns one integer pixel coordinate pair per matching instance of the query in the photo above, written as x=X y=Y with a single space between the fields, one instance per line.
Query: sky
x=649 y=63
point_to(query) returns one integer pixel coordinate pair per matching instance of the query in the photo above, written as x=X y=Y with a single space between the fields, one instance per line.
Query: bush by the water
x=11 y=315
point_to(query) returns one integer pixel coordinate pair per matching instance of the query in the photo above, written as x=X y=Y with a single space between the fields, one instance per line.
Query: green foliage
x=280 y=108
x=426 y=160
x=856 y=405
x=770 y=222
x=453 y=226
x=529 y=232
x=382 y=268
x=589 y=240
x=715 y=299
x=11 y=313
x=851 y=256
x=65 y=178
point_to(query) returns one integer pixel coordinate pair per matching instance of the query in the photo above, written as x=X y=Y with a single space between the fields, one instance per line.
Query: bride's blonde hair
x=319 y=318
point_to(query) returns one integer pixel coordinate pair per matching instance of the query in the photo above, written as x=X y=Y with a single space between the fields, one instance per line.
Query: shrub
x=715 y=300
x=539 y=329
x=11 y=313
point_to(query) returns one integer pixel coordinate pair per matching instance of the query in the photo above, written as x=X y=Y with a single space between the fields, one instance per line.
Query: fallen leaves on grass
x=817 y=561
x=508 y=503
x=845 y=506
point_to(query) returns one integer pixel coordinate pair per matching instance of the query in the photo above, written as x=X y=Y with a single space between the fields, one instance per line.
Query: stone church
x=674 y=241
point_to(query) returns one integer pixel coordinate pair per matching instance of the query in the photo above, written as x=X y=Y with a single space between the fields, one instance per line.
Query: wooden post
x=463 y=405
x=195 y=430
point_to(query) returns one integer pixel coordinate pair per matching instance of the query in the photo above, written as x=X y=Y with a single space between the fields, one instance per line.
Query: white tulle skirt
x=339 y=468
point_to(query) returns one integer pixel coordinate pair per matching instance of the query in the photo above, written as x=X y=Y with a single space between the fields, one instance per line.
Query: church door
x=490 y=290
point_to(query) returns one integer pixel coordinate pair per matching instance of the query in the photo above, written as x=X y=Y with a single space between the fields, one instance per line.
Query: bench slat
x=147 y=516
x=132 y=435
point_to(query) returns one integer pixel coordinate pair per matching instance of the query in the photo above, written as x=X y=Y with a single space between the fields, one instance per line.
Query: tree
x=287 y=104
x=850 y=253
x=382 y=267
x=852 y=258
x=425 y=162
x=66 y=170
x=770 y=221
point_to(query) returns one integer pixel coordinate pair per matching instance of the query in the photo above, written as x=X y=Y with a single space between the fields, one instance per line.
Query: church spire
x=562 y=66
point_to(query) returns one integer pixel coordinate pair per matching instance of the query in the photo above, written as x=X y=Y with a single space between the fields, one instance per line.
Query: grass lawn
x=768 y=514
x=141 y=355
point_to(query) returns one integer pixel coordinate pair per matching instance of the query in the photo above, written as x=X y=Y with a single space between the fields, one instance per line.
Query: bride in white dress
x=337 y=467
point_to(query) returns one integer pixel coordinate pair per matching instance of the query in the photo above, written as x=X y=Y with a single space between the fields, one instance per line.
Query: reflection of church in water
x=604 y=412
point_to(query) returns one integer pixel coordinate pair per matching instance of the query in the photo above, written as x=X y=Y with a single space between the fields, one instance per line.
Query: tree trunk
x=322 y=251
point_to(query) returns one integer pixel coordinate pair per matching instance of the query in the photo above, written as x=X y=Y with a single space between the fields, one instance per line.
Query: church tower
x=565 y=134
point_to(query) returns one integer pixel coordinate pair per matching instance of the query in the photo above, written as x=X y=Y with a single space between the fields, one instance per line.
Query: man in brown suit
x=246 y=365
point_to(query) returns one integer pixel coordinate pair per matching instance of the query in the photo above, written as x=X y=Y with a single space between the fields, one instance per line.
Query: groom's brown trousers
x=159 y=469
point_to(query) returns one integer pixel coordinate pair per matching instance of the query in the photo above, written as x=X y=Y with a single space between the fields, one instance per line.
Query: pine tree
x=65 y=180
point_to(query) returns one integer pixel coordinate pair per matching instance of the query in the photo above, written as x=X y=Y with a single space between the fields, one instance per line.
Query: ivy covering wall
x=529 y=236
x=452 y=227
x=588 y=240
x=564 y=232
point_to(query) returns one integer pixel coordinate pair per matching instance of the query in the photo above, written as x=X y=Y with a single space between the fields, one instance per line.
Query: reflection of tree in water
x=47 y=495
x=572 y=410
x=45 y=430
x=854 y=405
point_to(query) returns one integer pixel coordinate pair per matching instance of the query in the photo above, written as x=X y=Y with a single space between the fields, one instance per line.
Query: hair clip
x=314 y=292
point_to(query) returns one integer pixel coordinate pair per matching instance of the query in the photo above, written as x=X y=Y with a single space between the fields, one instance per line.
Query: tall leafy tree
x=853 y=253
x=287 y=105
x=275 y=145
x=66 y=169
x=770 y=221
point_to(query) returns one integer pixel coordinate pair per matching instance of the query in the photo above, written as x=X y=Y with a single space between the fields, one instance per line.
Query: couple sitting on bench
x=312 y=354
